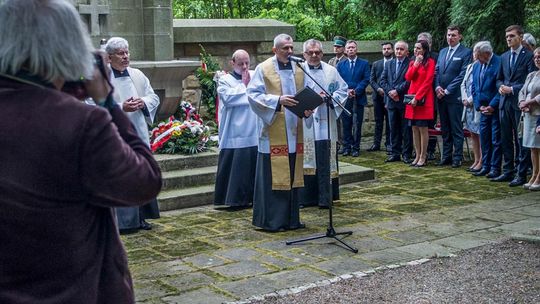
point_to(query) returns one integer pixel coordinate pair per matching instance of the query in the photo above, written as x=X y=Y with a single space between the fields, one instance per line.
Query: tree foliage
x=378 y=19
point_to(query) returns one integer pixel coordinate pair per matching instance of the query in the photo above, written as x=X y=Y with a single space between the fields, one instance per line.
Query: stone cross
x=94 y=9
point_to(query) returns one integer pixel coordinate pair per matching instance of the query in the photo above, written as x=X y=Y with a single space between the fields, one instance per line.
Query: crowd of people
x=459 y=91
x=90 y=172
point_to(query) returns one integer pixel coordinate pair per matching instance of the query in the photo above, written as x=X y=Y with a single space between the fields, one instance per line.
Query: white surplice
x=237 y=122
x=137 y=85
x=316 y=126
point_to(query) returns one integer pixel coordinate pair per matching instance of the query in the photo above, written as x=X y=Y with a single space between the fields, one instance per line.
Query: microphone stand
x=330 y=231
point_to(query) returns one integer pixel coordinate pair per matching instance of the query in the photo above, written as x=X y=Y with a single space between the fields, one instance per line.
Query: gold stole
x=277 y=133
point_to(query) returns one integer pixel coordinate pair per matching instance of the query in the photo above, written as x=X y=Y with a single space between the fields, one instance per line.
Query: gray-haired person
x=135 y=96
x=64 y=164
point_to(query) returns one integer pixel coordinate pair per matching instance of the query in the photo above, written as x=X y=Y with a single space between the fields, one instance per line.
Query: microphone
x=296 y=59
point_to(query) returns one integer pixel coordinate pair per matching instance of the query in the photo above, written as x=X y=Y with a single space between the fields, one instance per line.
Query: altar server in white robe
x=320 y=157
x=279 y=171
x=136 y=97
x=238 y=137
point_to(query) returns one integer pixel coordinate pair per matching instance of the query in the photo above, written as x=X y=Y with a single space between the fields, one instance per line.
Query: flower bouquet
x=187 y=135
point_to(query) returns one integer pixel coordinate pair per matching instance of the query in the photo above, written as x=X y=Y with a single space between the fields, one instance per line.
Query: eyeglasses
x=311 y=53
x=122 y=53
x=536 y=57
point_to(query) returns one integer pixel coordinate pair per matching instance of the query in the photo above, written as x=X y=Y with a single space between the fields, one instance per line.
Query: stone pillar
x=126 y=21
x=158 y=30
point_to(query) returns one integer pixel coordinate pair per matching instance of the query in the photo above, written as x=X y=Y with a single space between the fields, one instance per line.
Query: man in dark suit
x=379 y=111
x=355 y=72
x=449 y=73
x=486 y=100
x=516 y=64
x=395 y=87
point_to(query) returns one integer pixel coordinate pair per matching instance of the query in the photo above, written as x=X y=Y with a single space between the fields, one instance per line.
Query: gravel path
x=507 y=272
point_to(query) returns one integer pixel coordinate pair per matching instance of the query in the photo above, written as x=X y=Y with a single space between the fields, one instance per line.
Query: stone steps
x=188 y=181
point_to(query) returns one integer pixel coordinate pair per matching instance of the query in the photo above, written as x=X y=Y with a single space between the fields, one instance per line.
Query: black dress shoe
x=456 y=164
x=355 y=154
x=493 y=174
x=392 y=159
x=502 y=178
x=407 y=160
x=482 y=172
x=444 y=162
x=346 y=153
x=431 y=156
x=518 y=181
x=374 y=148
x=145 y=225
x=473 y=170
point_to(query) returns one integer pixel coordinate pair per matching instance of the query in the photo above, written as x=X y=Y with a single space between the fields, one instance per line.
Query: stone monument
x=148 y=26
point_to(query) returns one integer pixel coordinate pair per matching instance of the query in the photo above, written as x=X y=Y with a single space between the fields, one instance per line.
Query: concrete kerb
x=322 y=283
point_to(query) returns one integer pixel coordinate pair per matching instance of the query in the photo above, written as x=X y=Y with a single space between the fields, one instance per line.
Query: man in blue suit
x=395 y=87
x=486 y=100
x=449 y=73
x=516 y=64
x=355 y=72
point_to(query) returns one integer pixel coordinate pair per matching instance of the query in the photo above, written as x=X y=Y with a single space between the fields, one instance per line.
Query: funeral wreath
x=184 y=134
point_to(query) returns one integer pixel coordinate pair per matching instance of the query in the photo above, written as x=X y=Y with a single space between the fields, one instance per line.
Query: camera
x=77 y=88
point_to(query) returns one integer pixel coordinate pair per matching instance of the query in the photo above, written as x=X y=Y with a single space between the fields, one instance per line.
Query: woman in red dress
x=420 y=74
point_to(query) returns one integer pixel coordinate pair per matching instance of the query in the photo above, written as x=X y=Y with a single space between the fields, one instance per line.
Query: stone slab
x=531 y=210
x=228 y=30
x=462 y=242
x=242 y=269
x=374 y=243
x=160 y=269
x=426 y=250
x=340 y=266
x=411 y=236
x=188 y=281
x=199 y=296
x=507 y=217
x=388 y=256
x=269 y=283
x=524 y=226
x=148 y=289
x=205 y=260
x=237 y=254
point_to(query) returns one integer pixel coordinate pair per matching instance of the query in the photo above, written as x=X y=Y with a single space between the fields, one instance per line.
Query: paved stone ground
x=202 y=255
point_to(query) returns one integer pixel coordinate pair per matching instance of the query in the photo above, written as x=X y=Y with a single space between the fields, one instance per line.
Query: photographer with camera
x=63 y=164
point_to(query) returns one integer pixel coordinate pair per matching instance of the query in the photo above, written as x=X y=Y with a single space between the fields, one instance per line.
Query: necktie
x=513 y=60
x=448 y=57
x=352 y=65
x=482 y=74
x=398 y=67
x=483 y=71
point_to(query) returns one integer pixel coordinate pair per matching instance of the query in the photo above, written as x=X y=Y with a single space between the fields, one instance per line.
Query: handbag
x=409 y=97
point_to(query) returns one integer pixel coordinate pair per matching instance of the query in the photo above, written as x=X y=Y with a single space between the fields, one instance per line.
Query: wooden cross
x=94 y=9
